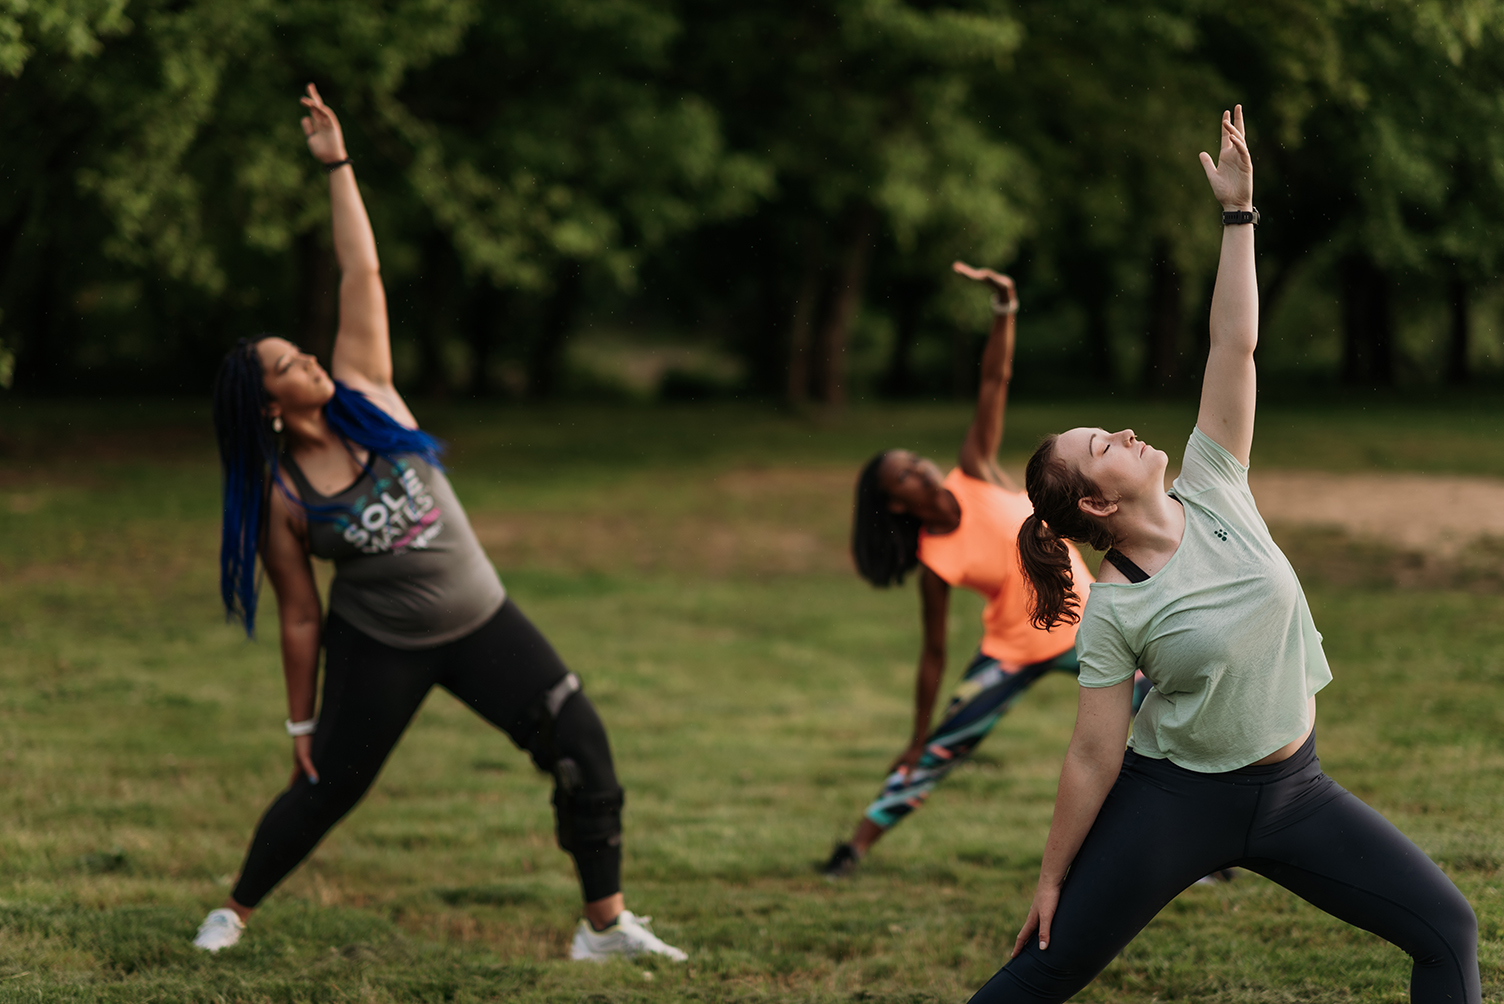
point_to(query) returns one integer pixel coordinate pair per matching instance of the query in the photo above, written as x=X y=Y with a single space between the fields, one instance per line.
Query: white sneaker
x=220 y=929
x=627 y=936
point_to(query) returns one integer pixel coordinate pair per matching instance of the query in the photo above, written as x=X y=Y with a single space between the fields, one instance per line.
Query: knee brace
x=544 y=714
x=585 y=819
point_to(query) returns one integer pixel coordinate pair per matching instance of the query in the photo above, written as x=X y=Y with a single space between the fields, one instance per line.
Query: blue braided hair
x=248 y=458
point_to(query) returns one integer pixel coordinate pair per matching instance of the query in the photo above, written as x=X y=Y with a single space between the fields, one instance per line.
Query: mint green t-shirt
x=1223 y=630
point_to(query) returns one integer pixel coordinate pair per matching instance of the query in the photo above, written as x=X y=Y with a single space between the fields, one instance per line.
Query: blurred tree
x=161 y=172
x=556 y=149
x=867 y=113
x=44 y=50
x=1388 y=158
x=757 y=167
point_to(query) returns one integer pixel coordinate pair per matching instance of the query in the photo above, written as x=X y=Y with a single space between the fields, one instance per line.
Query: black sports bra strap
x=305 y=490
x=1122 y=563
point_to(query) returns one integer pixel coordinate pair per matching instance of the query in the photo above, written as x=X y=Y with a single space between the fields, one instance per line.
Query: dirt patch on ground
x=1433 y=514
x=1401 y=529
x=1406 y=530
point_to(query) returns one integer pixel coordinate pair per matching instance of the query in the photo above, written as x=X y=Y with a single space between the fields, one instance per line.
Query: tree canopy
x=785 y=180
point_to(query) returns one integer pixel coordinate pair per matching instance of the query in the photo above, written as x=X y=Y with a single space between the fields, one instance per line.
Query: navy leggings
x=1162 y=827
x=371 y=692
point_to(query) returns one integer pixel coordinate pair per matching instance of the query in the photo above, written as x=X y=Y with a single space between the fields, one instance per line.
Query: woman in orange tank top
x=959 y=529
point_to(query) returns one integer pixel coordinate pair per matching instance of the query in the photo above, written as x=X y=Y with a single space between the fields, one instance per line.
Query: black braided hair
x=247 y=452
x=885 y=544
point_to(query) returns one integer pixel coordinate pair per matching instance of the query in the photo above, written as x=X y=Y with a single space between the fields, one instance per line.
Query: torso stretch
x=981 y=554
x=1223 y=631
x=408 y=569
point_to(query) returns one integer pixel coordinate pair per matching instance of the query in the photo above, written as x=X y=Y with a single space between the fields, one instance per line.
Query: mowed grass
x=690 y=565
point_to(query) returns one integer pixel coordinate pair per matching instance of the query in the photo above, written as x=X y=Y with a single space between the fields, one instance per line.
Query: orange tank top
x=981 y=554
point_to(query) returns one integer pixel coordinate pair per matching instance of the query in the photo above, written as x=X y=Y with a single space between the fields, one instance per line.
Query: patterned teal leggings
x=984 y=696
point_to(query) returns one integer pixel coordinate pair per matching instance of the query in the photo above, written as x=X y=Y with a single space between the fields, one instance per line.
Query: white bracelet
x=1001 y=309
x=302 y=728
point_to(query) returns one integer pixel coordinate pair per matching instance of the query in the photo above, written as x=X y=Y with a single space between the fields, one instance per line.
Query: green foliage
x=72 y=28
x=737 y=171
x=524 y=160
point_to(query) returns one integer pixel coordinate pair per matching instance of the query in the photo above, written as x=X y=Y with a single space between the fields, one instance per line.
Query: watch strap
x=1231 y=217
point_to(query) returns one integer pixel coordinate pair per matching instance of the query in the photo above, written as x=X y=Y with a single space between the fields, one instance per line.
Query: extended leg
x=984 y=696
x=1342 y=856
x=371 y=692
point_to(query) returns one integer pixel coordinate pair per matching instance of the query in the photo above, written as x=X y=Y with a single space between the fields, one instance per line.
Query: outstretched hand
x=1231 y=176
x=325 y=140
x=1001 y=284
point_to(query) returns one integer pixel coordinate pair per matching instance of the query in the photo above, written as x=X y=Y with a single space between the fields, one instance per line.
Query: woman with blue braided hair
x=335 y=467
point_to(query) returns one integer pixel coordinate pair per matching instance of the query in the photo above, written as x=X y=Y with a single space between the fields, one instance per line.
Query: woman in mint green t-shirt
x=1222 y=767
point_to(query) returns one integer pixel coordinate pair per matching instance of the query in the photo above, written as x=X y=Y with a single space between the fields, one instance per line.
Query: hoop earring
x=277 y=423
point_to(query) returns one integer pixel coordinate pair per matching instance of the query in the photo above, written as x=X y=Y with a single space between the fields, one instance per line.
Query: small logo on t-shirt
x=1220 y=533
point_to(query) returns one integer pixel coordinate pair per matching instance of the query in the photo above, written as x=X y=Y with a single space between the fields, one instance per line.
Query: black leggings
x=371 y=692
x=1162 y=827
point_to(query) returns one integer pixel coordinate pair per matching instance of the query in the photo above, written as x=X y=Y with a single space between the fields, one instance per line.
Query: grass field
x=690 y=565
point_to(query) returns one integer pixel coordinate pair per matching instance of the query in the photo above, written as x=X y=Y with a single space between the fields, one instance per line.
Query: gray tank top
x=408 y=569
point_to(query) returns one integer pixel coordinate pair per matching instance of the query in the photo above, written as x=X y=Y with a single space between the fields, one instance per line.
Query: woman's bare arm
x=362 y=345
x=934 y=600
x=979 y=450
x=300 y=615
x=1230 y=387
x=1091 y=767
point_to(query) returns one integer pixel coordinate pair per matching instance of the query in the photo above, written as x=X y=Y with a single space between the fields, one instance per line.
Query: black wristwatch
x=1232 y=216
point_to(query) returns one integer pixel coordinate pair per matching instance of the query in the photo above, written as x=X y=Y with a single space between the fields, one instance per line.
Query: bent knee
x=1457 y=921
x=581 y=737
x=1448 y=930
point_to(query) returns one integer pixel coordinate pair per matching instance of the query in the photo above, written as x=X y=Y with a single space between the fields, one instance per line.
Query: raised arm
x=1230 y=387
x=979 y=451
x=362 y=346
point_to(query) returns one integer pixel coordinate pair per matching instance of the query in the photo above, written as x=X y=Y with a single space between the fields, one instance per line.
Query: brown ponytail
x=1055 y=489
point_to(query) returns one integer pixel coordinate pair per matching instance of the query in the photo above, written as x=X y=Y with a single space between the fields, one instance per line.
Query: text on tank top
x=409 y=571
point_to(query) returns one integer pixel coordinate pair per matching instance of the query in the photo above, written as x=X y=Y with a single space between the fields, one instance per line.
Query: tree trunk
x=546 y=364
x=835 y=334
x=1367 y=325
x=1457 y=345
x=1166 y=320
x=1098 y=336
x=44 y=357
x=488 y=310
x=1088 y=278
x=806 y=302
x=909 y=297
x=318 y=295
x=438 y=288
